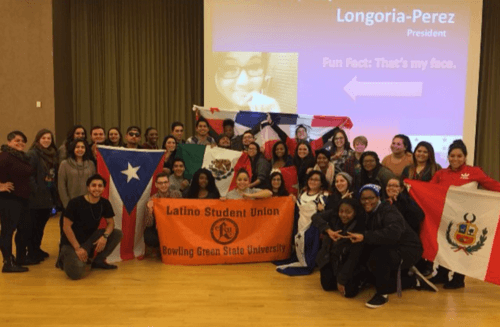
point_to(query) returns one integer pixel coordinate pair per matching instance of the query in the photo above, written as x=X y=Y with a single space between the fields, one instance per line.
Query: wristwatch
x=105 y=235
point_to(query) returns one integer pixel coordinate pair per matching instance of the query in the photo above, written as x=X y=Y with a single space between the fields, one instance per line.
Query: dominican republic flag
x=245 y=120
x=223 y=163
x=460 y=230
x=129 y=184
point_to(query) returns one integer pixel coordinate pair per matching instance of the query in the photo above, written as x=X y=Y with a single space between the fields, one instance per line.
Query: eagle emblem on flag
x=465 y=235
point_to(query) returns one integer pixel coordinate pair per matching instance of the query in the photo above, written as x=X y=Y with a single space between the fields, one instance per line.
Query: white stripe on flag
x=117 y=204
x=485 y=205
x=139 y=246
x=223 y=181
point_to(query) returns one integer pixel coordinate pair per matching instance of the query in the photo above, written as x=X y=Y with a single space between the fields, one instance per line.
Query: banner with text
x=197 y=232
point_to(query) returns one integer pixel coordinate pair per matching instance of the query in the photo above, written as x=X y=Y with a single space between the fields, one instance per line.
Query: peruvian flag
x=129 y=176
x=460 y=228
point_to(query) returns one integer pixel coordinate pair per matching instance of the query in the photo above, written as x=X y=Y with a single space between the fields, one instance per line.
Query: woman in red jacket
x=457 y=174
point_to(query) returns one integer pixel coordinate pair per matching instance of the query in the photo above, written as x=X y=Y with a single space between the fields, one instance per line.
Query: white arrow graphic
x=383 y=89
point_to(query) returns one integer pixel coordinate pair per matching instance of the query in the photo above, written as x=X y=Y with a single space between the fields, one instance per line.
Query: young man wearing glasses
x=133 y=137
x=151 y=233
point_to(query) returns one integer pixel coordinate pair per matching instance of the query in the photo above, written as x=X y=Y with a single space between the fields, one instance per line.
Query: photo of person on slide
x=241 y=79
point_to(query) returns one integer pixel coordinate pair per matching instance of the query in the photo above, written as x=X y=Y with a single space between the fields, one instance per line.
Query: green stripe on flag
x=192 y=154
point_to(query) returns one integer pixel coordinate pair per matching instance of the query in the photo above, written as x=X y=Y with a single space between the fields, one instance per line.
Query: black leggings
x=14 y=215
x=39 y=218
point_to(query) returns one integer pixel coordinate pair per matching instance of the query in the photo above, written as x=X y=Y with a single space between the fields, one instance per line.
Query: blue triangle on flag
x=131 y=172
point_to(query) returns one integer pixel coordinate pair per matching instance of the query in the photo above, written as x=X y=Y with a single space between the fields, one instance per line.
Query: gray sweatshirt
x=72 y=179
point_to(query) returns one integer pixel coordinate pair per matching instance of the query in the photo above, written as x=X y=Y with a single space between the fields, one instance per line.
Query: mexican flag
x=460 y=228
x=223 y=163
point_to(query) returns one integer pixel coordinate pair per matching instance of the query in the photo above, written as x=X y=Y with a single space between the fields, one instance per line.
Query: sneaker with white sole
x=422 y=282
x=377 y=301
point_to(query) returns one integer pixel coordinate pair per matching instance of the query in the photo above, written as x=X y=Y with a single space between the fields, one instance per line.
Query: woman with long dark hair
x=202 y=186
x=454 y=176
x=324 y=165
x=343 y=188
x=401 y=155
x=372 y=172
x=114 y=138
x=281 y=158
x=77 y=132
x=306 y=236
x=277 y=185
x=424 y=164
x=341 y=149
x=260 y=166
x=15 y=173
x=303 y=161
x=169 y=144
x=74 y=171
x=43 y=197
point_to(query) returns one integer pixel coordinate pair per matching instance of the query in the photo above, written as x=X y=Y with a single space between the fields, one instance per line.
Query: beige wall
x=26 y=67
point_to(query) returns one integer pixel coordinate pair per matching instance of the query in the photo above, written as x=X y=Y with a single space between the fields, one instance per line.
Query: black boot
x=458 y=281
x=24 y=260
x=441 y=276
x=9 y=266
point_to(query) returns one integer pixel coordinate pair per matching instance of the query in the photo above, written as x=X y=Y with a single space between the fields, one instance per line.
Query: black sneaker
x=440 y=279
x=103 y=265
x=377 y=301
x=454 y=284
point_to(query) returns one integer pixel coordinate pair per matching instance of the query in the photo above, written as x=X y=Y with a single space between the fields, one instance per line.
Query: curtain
x=488 y=116
x=136 y=62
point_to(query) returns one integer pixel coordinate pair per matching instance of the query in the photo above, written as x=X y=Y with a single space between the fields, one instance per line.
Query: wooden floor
x=149 y=293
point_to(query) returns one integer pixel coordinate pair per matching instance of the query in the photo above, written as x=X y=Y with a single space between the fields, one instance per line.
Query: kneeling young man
x=81 y=235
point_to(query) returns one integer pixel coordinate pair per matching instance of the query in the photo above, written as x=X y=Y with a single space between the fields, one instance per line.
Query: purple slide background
x=310 y=28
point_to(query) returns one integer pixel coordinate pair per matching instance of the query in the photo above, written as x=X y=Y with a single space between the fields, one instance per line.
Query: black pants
x=14 y=215
x=39 y=218
x=151 y=237
x=384 y=262
x=329 y=281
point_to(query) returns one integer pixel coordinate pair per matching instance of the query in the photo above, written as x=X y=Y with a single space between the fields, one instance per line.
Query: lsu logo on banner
x=195 y=232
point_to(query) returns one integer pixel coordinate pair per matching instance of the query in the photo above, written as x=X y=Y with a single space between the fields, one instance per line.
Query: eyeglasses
x=339 y=138
x=369 y=198
x=393 y=185
x=132 y=134
x=162 y=183
x=232 y=71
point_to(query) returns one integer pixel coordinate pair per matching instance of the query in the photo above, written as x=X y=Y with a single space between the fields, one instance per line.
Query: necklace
x=92 y=210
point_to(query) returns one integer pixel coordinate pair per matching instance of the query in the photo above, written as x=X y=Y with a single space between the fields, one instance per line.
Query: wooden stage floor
x=148 y=293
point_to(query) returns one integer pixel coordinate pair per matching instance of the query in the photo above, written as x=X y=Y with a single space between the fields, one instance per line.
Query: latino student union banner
x=196 y=232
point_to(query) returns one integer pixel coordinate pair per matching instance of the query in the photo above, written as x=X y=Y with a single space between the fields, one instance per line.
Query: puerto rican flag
x=129 y=176
x=461 y=228
x=245 y=120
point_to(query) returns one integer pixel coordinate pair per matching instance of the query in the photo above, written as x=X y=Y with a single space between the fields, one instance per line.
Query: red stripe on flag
x=493 y=272
x=431 y=198
x=102 y=170
x=243 y=162
x=290 y=179
x=128 y=229
x=331 y=121
x=216 y=125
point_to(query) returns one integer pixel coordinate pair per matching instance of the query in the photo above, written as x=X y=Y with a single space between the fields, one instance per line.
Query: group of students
x=354 y=218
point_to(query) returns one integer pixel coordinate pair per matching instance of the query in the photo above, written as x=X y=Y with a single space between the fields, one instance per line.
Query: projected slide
x=391 y=66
